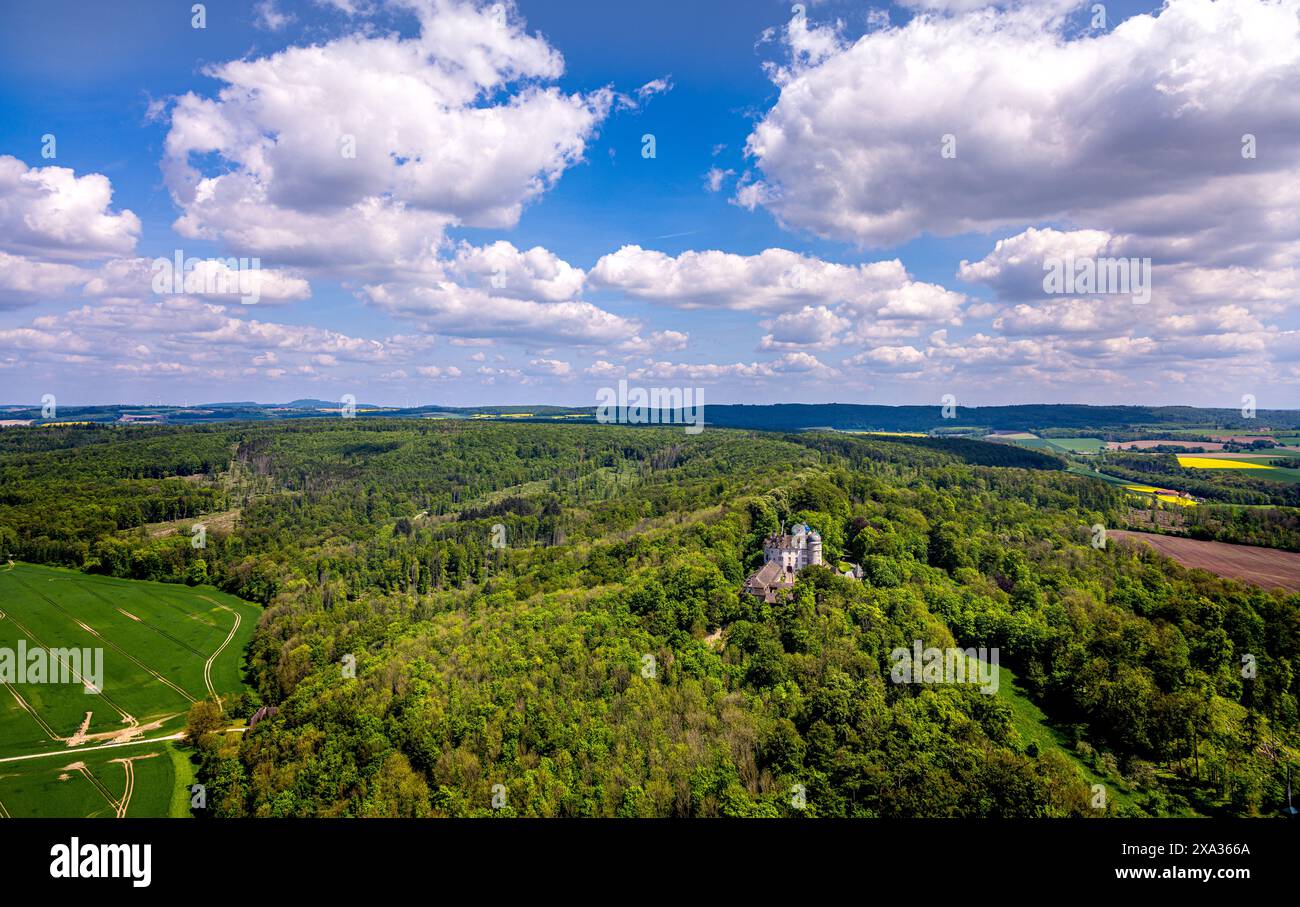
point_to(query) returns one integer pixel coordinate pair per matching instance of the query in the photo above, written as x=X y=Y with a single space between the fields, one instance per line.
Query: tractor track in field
x=143 y=587
x=207 y=665
x=23 y=704
x=120 y=651
x=129 y=767
x=90 y=749
x=127 y=718
x=96 y=784
x=112 y=645
x=146 y=624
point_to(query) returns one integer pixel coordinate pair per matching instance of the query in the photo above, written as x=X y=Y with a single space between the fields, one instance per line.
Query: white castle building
x=801 y=548
x=784 y=556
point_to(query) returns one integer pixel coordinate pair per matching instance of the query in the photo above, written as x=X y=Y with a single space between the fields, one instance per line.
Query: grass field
x=1078 y=445
x=1093 y=474
x=66 y=752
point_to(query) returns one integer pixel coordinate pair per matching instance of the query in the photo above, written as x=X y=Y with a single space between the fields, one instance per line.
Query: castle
x=784 y=556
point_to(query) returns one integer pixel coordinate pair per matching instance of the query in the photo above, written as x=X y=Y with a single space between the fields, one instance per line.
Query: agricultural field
x=102 y=743
x=1078 y=445
x=1081 y=446
x=1162 y=494
x=1260 y=464
x=1266 y=567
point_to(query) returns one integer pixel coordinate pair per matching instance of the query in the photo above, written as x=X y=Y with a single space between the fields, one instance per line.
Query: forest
x=479 y=618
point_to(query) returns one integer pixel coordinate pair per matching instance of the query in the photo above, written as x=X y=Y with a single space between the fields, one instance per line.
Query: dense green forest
x=1266 y=527
x=476 y=618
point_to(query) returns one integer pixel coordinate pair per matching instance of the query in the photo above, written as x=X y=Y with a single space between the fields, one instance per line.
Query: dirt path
x=1267 y=567
x=80 y=736
x=91 y=749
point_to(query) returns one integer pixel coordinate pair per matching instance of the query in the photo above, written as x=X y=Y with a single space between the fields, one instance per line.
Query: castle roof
x=769 y=575
x=799 y=537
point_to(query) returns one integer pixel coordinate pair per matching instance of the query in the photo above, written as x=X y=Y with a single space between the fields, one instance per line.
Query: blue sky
x=801 y=234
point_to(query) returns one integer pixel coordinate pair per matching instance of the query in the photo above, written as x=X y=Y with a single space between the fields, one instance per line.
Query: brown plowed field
x=1267 y=567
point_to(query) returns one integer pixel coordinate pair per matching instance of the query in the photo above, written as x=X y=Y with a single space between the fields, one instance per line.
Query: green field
x=1060 y=445
x=164 y=647
x=1093 y=474
x=1078 y=445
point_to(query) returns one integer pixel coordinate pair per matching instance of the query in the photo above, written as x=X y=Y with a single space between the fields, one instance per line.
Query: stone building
x=784 y=556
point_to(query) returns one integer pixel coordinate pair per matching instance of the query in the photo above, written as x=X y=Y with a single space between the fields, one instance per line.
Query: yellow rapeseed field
x=1213 y=463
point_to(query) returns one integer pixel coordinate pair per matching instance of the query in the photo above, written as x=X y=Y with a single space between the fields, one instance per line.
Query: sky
x=448 y=202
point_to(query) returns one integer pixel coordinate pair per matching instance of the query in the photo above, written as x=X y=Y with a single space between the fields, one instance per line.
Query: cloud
x=602 y=369
x=774 y=280
x=268 y=16
x=51 y=213
x=803 y=364
x=654 y=87
x=500 y=293
x=1182 y=293
x=1138 y=129
x=897 y=357
x=716 y=176
x=183 y=335
x=470 y=312
x=1014 y=269
x=657 y=342
x=25 y=281
x=812 y=326
x=365 y=149
x=506 y=271
x=437 y=371
x=213 y=280
x=554 y=368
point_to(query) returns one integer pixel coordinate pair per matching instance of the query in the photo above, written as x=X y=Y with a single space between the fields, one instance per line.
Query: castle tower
x=814 y=547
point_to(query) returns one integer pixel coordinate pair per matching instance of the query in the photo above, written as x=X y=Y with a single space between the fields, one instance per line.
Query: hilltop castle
x=784 y=556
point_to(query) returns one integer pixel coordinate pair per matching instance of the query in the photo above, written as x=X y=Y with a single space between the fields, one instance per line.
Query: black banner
x=143 y=858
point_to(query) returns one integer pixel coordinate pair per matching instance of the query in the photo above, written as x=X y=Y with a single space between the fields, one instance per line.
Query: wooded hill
x=581 y=665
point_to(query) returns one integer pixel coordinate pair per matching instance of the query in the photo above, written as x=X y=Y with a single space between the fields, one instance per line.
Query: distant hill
x=868 y=417
x=768 y=417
